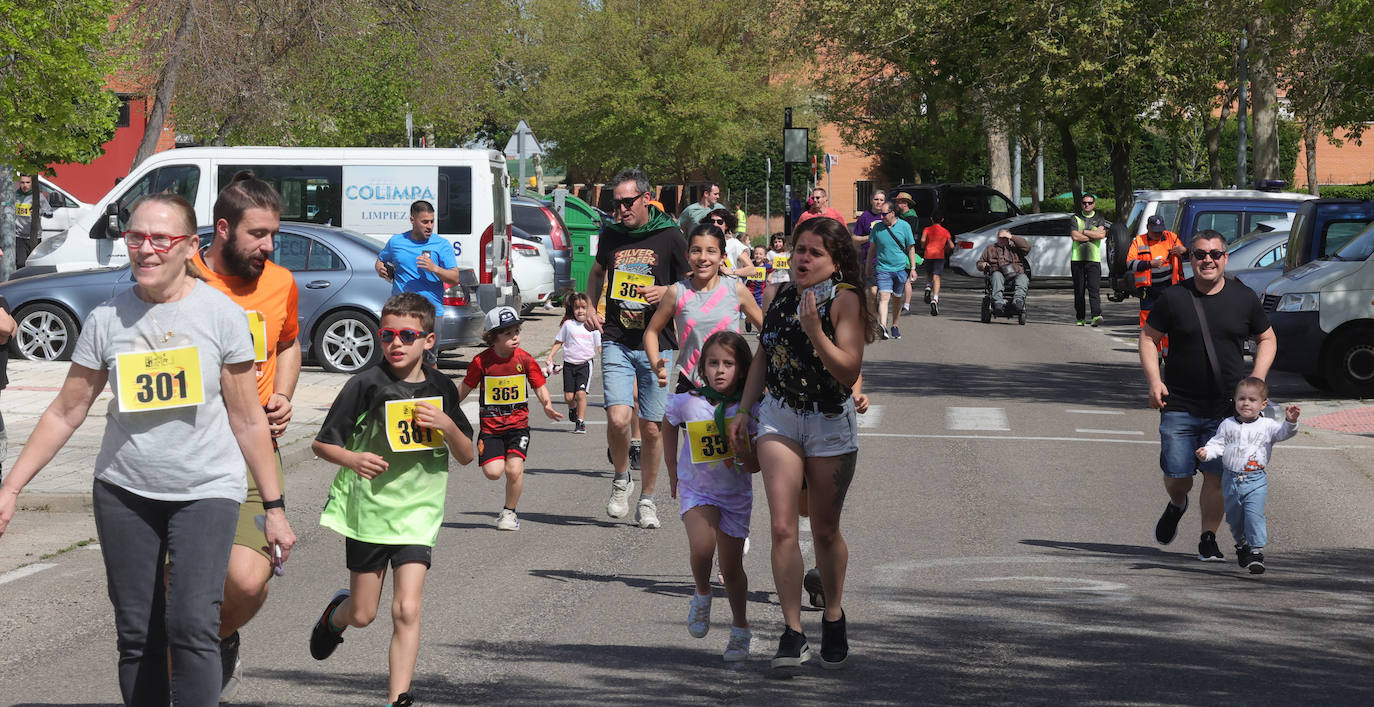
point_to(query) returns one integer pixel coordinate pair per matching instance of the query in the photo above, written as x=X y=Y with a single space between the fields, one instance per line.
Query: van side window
x=1338 y=233
x=310 y=193
x=998 y=205
x=182 y=180
x=455 y=201
x=1227 y=223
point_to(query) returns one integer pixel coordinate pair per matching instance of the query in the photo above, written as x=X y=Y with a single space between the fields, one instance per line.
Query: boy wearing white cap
x=504 y=372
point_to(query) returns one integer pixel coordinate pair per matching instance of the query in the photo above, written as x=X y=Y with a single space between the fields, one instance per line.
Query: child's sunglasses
x=407 y=336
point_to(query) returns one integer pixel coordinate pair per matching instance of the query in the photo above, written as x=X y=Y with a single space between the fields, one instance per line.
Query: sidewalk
x=64 y=485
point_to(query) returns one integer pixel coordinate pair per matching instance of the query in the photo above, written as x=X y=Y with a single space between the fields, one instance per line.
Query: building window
x=123 y=120
x=863 y=191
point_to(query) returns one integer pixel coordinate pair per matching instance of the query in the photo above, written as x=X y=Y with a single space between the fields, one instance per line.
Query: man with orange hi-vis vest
x=1156 y=260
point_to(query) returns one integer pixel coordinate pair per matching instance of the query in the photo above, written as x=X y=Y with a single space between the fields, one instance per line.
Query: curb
x=292 y=454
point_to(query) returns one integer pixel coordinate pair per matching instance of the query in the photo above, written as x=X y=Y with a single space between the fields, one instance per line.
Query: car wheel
x=1349 y=363
x=515 y=297
x=1318 y=382
x=346 y=342
x=46 y=333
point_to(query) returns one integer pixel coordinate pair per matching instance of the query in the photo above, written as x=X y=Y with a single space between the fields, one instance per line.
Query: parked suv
x=965 y=206
x=541 y=225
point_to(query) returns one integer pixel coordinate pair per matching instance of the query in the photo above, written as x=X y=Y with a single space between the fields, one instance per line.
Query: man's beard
x=236 y=264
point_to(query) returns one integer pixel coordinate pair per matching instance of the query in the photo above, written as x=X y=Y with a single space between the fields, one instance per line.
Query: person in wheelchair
x=1006 y=260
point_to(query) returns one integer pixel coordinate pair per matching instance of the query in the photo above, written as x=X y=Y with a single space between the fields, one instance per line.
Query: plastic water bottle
x=1274 y=411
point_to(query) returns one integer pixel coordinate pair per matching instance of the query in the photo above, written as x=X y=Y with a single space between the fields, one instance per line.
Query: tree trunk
x=1070 y=154
x=1309 y=148
x=1213 y=134
x=1120 y=151
x=36 y=219
x=999 y=157
x=1265 y=102
x=6 y=222
x=166 y=87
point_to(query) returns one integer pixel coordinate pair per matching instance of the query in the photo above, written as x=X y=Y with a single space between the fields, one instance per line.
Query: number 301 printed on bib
x=159 y=380
x=403 y=431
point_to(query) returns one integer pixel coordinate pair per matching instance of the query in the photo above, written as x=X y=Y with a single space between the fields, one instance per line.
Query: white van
x=1323 y=315
x=368 y=190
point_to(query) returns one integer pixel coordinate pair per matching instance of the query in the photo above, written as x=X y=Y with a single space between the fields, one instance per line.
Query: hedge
x=1348 y=191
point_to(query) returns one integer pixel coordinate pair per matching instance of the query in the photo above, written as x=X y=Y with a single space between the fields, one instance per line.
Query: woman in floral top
x=812 y=352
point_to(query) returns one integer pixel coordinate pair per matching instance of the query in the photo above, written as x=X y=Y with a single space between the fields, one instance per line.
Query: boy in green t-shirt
x=391 y=430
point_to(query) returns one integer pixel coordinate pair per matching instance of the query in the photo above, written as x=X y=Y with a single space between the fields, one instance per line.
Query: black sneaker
x=1207 y=549
x=812 y=584
x=635 y=451
x=403 y=700
x=896 y=333
x=1243 y=555
x=998 y=308
x=935 y=309
x=1018 y=306
x=834 y=643
x=323 y=639
x=230 y=667
x=1255 y=562
x=580 y=428
x=1166 y=528
x=792 y=650
x=928 y=295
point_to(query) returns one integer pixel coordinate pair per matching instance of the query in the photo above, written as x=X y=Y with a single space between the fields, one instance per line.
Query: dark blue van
x=1232 y=217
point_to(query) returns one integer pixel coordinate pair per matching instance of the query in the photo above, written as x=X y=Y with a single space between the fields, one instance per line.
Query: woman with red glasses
x=169 y=475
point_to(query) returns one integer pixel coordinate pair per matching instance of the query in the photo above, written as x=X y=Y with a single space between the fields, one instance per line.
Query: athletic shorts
x=492 y=446
x=371 y=557
x=576 y=376
x=624 y=371
x=818 y=434
x=247 y=533
x=935 y=266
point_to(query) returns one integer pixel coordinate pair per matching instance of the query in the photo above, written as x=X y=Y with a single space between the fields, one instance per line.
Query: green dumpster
x=583 y=222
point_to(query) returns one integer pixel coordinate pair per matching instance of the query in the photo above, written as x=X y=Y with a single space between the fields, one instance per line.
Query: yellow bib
x=159 y=380
x=403 y=431
x=503 y=390
x=627 y=286
x=782 y=262
x=257 y=325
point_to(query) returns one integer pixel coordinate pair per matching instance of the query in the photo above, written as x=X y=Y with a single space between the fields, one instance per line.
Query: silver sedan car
x=339 y=308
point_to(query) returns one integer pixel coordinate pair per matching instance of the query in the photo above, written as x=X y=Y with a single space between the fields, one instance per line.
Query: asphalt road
x=1000 y=531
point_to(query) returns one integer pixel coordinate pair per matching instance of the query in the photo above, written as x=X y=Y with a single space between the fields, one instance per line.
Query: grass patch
x=69 y=548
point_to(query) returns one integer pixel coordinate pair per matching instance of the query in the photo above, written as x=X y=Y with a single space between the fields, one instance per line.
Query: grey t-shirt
x=173 y=453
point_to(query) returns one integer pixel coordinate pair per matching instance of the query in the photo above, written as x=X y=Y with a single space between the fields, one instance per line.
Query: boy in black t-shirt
x=391 y=430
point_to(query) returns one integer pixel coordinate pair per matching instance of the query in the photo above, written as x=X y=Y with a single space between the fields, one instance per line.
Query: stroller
x=1009 y=311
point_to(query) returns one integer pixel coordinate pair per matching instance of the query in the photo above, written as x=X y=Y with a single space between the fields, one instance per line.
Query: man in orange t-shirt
x=247 y=215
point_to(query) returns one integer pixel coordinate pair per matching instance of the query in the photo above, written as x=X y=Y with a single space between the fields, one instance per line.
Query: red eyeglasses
x=407 y=336
x=161 y=242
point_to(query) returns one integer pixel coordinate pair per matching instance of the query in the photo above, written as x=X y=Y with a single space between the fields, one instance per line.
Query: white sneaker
x=507 y=520
x=619 y=505
x=741 y=640
x=699 y=615
x=647 y=514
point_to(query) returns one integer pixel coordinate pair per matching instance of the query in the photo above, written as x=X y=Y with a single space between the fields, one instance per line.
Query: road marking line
x=961 y=418
x=804 y=524
x=1090 y=431
x=1093 y=440
x=872 y=418
x=1077 y=411
x=25 y=571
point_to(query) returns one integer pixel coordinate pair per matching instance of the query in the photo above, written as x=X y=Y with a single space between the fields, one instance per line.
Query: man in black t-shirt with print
x=1191 y=398
x=638 y=256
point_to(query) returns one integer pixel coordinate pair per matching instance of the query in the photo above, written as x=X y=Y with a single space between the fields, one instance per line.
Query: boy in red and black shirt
x=501 y=372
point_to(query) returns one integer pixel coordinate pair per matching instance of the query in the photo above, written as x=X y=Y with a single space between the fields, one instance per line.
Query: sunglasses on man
x=1204 y=254
x=627 y=202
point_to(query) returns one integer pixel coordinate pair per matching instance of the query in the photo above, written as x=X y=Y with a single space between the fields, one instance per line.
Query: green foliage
x=1348 y=191
x=53 y=104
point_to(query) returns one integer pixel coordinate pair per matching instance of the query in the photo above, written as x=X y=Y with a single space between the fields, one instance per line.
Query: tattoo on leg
x=844 y=474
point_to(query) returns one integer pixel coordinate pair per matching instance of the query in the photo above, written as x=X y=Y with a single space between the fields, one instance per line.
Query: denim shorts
x=892 y=281
x=624 y=369
x=1180 y=434
x=818 y=433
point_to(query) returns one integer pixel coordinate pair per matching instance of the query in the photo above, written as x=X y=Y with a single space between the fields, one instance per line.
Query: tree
x=670 y=87
x=53 y=105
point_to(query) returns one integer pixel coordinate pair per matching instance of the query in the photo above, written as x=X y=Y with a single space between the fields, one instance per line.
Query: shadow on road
x=1082 y=382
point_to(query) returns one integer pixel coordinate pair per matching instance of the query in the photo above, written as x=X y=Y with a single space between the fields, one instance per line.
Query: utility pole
x=786 y=177
x=1241 y=169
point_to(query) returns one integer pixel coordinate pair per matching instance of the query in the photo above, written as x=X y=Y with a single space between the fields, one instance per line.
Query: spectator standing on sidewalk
x=238 y=263
x=169 y=478
x=639 y=255
x=696 y=211
x=1085 y=261
x=1207 y=319
x=24 y=241
x=818 y=204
